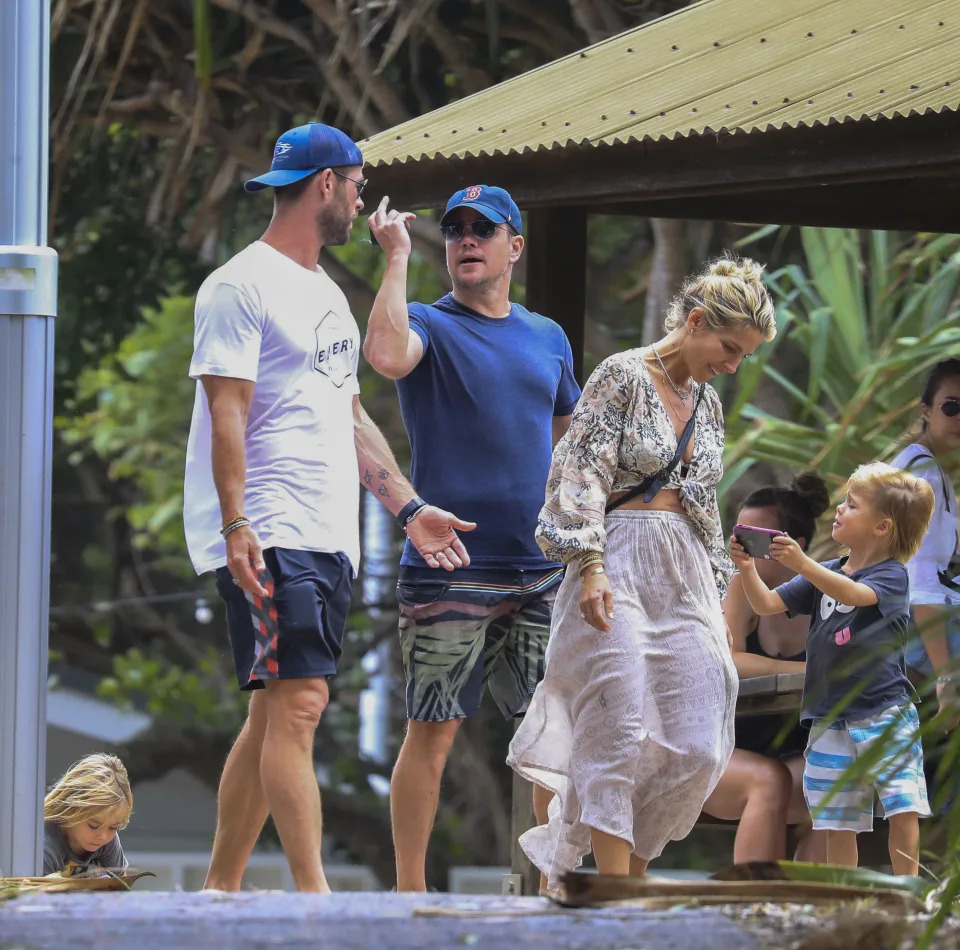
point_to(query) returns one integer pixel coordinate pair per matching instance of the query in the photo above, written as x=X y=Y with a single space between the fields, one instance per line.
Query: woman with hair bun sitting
x=762 y=787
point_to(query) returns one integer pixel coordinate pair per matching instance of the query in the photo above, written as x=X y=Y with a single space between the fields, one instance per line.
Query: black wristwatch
x=409 y=510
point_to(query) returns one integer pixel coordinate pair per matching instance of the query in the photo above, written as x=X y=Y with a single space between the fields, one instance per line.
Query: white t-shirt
x=263 y=317
x=940 y=541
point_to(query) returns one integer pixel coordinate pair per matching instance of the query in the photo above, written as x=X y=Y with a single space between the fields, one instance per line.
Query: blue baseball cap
x=492 y=202
x=304 y=150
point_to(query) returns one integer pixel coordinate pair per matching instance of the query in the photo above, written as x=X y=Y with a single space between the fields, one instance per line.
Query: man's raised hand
x=391 y=228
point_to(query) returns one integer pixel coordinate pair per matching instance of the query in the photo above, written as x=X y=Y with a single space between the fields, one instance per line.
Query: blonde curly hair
x=94 y=784
x=732 y=295
x=907 y=500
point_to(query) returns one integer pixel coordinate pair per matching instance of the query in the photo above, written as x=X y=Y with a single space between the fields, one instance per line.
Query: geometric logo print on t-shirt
x=334 y=356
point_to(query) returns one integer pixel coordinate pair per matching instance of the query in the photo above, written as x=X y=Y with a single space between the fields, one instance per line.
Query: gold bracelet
x=591 y=570
x=590 y=562
x=589 y=557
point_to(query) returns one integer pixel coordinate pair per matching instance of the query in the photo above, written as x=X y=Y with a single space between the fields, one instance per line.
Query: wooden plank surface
x=769 y=695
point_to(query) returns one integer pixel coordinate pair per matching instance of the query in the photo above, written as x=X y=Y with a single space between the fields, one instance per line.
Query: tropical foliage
x=860 y=325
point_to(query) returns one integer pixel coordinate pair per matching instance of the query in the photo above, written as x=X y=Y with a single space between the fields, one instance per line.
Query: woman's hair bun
x=745 y=268
x=724 y=267
x=813 y=490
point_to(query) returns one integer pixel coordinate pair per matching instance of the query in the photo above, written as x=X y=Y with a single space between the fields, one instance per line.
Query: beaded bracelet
x=232 y=526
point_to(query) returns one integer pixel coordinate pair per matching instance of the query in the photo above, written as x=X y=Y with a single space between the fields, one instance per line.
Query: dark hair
x=944 y=370
x=289 y=194
x=799 y=504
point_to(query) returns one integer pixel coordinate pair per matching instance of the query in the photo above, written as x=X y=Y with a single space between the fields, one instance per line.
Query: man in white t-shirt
x=277 y=441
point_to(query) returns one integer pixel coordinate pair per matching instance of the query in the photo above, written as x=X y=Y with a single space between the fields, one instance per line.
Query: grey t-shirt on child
x=58 y=855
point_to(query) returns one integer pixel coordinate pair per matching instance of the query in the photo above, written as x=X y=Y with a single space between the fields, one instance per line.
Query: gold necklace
x=684 y=396
x=680 y=410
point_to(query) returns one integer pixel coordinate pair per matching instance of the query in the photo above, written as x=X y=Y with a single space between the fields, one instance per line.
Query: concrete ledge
x=252 y=921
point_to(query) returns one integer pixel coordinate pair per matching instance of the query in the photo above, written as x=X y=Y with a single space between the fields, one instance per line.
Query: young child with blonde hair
x=855 y=690
x=82 y=814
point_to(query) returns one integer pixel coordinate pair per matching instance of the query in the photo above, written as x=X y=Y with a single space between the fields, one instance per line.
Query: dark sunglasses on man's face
x=361 y=183
x=950 y=407
x=482 y=229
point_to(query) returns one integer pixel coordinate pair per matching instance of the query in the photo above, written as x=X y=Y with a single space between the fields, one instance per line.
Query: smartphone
x=756 y=541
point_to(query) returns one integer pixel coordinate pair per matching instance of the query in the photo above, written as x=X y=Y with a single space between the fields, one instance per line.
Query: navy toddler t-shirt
x=478 y=409
x=853 y=650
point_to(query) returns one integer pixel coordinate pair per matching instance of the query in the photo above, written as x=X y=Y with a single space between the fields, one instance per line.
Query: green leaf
x=203 y=44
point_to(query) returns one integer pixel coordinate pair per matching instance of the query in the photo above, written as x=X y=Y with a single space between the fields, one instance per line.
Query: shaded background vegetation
x=159 y=110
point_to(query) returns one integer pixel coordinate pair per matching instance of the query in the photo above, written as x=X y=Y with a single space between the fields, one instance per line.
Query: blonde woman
x=632 y=725
x=82 y=814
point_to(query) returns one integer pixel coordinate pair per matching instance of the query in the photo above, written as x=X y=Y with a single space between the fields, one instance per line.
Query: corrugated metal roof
x=731 y=65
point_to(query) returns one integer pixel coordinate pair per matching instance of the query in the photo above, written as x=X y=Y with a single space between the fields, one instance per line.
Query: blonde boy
x=82 y=814
x=856 y=690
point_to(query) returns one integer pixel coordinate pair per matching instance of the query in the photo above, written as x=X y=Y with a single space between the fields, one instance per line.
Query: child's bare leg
x=904 y=843
x=842 y=848
x=638 y=866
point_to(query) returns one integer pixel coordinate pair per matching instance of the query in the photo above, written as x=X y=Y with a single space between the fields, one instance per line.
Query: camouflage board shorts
x=471 y=628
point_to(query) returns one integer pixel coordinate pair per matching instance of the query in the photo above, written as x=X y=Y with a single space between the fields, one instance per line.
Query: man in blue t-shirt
x=486 y=389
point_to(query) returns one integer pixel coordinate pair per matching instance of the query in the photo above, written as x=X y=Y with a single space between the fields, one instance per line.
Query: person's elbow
x=386 y=362
x=391 y=357
x=768 y=606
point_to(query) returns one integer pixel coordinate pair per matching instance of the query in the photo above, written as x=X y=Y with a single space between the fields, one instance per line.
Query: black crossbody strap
x=653 y=483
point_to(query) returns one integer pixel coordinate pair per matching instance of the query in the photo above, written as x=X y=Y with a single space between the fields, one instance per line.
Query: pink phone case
x=755 y=541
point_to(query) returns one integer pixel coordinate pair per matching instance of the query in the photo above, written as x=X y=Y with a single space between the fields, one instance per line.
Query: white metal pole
x=379 y=576
x=28 y=304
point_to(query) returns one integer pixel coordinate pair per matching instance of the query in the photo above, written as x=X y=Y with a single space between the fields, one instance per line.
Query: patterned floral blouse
x=621 y=433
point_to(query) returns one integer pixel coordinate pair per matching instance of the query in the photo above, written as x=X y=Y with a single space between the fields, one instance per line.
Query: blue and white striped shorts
x=897 y=778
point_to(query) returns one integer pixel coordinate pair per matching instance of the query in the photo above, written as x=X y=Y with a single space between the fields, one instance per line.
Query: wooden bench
x=758 y=696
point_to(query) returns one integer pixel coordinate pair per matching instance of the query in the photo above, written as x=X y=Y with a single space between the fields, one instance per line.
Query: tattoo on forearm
x=377 y=482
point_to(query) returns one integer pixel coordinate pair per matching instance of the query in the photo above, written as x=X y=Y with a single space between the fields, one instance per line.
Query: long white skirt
x=631 y=729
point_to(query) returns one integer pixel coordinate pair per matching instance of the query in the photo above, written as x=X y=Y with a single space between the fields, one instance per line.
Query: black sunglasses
x=482 y=229
x=361 y=183
x=950 y=407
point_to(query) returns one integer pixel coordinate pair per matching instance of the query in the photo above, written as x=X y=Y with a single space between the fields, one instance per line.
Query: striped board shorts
x=896 y=778
x=470 y=629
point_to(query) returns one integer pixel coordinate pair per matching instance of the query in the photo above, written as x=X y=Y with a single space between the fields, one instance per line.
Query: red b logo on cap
x=473 y=192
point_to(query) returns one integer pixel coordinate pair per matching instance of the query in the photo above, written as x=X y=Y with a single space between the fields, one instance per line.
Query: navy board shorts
x=296 y=631
x=471 y=629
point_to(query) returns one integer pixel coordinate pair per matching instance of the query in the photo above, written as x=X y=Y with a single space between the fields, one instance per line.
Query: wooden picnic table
x=765 y=695
x=758 y=696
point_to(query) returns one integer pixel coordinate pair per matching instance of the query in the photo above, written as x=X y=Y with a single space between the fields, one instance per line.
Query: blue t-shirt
x=856 y=651
x=479 y=410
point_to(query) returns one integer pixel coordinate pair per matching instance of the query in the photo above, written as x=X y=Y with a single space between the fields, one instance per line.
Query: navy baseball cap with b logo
x=304 y=150
x=492 y=202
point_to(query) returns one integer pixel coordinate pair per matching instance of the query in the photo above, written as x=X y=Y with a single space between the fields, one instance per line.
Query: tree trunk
x=667 y=270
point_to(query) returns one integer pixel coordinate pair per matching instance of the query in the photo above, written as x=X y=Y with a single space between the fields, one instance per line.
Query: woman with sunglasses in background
x=934 y=569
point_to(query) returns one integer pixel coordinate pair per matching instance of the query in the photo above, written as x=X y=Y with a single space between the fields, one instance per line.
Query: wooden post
x=557 y=271
x=522 y=819
x=557 y=288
